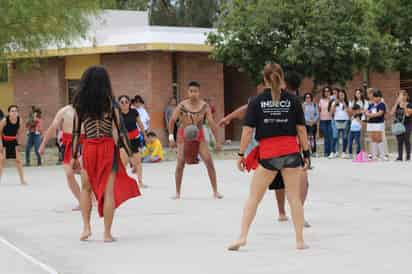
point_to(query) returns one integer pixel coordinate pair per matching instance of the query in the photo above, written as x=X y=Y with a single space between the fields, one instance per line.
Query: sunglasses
x=124 y=102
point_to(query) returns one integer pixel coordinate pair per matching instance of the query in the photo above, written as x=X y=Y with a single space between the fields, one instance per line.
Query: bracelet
x=241 y=154
x=306 y=154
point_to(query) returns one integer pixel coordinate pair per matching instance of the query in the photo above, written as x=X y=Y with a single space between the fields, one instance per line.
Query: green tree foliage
x=189 y=13
x=324 y=39
x=394 y=20
x=129 y=5
x=315 y=37
x=28 y=25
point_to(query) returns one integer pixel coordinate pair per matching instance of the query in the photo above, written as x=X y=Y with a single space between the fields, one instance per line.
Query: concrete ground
x=361 y=216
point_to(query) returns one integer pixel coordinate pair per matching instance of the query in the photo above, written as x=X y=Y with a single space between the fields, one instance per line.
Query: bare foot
x=77 y=208
x=143 y=185
x=176 y=197
x=301 y=246
x=217 y=195
x=306 y=224
x=283 y=218
x=236 y=245
x=85 y=235
x=24 y=183
x=109 y=238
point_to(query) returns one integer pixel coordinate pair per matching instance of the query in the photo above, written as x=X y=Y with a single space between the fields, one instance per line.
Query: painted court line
x=31 y=259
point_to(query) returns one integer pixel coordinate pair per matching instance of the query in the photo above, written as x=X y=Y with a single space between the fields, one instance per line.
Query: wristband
x=306 y=154
x=171 y=138
x=241 y=154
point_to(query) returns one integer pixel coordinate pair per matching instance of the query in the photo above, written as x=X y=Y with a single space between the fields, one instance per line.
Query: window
x=72 y=86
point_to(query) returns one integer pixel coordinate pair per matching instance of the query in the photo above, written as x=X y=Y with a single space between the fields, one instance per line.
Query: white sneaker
x=343 y=155
x=350 y=156
x=333 y=155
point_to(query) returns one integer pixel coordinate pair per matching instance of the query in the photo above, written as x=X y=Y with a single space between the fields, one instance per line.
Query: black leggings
x=312 y=130
x=405 y=139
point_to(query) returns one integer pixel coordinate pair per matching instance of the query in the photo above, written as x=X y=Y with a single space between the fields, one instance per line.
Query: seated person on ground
x=153 y=152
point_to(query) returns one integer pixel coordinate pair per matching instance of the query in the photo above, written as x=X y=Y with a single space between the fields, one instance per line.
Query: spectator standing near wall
x=34 y=133
x=402 y=112
x=171 y=106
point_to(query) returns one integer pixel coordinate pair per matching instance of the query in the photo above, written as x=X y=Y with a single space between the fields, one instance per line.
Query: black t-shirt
x=273 y=119
x=400 y=112
x=130 y=120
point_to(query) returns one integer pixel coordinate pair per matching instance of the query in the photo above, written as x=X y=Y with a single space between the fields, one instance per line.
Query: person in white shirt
x=144 y=116
x=340 y=109
x=359 y=99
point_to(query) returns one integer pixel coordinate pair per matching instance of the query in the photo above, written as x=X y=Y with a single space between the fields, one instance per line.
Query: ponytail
x=274 y=77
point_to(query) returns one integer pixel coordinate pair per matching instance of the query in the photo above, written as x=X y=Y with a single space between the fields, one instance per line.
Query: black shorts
x=135 y=145
x=278 y=163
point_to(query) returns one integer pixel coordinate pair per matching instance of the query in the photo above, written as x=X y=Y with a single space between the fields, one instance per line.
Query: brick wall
x=388 y=82
x=128 y=72
x=160 y=79
x=42 y=86
x=238 y=89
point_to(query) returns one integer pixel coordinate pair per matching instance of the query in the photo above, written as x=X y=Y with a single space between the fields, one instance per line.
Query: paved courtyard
x=361 y=216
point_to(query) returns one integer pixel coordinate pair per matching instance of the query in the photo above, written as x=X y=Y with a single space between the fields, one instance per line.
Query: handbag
x=398 y=128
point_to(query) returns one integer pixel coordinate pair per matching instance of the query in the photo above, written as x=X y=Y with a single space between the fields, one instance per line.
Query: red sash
x=271 y=148
x=67 y=142
x=9 y=138
x=133 y=134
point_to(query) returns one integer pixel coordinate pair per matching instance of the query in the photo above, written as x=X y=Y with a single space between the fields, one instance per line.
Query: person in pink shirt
x=325 y=124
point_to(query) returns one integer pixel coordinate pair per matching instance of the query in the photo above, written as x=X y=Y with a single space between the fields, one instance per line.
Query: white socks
x=381 y=149
x=378 y=148
x=374 y=149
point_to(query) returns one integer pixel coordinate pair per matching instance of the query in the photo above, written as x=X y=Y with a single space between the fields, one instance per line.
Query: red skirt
x=98 y=161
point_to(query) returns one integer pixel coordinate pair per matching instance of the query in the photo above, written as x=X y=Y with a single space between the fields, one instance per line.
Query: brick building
x=155 y=62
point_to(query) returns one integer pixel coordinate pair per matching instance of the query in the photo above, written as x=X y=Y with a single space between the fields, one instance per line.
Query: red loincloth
x=191 y=148
x=98 y=162
x=66 y=140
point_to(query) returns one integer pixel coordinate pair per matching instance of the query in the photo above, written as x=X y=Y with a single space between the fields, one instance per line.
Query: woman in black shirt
x=278 y=119
x=132 y=123
x=10 y=136
x=402 y=110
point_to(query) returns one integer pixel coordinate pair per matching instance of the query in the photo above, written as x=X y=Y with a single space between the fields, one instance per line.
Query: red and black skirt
x=10 y=144
x=101 y=157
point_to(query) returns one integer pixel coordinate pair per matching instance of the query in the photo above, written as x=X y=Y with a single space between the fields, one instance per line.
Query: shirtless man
x=64 y=121
x=193 y=111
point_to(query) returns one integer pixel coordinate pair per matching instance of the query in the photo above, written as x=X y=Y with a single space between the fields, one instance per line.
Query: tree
x=189 y=13
x=28 y=25
x=322 y=39
x=131 y=5
x=393 y=18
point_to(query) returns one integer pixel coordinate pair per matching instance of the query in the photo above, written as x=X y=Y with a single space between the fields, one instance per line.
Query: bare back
x=66 y=119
